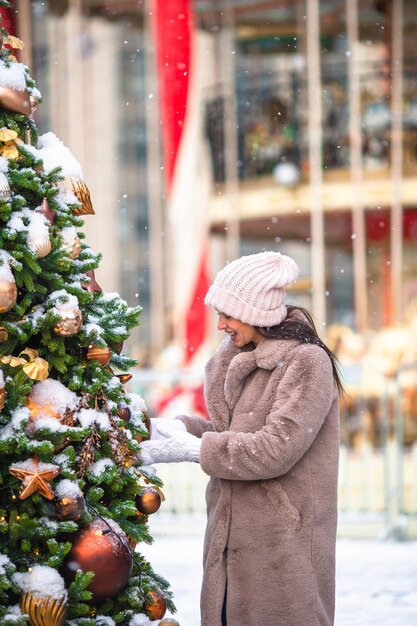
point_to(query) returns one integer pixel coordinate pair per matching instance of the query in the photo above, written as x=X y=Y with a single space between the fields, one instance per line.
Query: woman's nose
x=221 y=325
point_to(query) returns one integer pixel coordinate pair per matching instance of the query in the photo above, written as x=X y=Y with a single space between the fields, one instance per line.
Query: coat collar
x=229 y=368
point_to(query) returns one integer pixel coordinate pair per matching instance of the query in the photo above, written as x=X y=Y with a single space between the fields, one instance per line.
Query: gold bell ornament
x=71 y=242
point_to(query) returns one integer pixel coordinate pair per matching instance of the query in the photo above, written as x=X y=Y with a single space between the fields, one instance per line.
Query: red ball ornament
x=103 y=548
x=148 y=501
x=155 y=605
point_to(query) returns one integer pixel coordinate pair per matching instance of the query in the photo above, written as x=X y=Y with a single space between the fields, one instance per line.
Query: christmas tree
x=74 y=498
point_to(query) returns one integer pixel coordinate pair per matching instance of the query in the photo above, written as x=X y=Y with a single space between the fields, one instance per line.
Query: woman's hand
x=169 y=425
x=181 y=446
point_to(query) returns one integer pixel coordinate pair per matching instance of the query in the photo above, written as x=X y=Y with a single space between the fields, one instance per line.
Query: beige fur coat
x=271 y=450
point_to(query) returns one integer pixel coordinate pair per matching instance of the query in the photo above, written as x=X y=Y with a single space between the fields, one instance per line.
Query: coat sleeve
x=303 y=399
x=197 y=426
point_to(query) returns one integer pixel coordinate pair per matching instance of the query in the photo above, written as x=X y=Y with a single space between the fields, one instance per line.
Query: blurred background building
x=211 y=129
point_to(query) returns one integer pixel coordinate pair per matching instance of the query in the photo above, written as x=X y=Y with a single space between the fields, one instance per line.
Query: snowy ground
x=376 y=581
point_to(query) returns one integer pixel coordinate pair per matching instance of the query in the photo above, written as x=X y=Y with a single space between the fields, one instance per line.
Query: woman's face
x=239 y=332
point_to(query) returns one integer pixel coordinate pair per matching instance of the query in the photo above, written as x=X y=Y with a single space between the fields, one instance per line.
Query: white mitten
x=171 y=449
x=169 y=425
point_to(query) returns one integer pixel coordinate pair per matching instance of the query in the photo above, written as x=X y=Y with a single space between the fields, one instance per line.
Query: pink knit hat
x=250 y=289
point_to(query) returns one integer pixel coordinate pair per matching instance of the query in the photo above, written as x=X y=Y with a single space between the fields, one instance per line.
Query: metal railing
x=378 y=456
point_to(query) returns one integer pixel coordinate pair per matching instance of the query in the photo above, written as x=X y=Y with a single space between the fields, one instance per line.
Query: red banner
x=173 y=28
x=174 y=39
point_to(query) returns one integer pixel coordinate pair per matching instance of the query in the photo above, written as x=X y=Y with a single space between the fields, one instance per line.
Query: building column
x=158 y=250
x=397 y=160
x=356 y=169
x=314 y=91
x=227 y=80
x=23 y=17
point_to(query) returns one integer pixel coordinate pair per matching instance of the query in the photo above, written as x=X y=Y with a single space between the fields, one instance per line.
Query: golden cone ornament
x=44 y=611
x=17 y=101
x=82 y=193
x=2 y=397
x=8 y=295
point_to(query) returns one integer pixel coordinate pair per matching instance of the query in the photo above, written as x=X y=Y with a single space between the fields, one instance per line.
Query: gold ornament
x=44 y=611
x=2 y=397
x=169 y=621
x=40 y=245
x=33 y=366
x=70 y=322
x=80 y=190
x=8 y=295
x=70 y=507
x=102 y=355
x=155 y=605
x=13 y=100
x=35 y=477
x=5 y=191
x=148 y=501
x=93 y=285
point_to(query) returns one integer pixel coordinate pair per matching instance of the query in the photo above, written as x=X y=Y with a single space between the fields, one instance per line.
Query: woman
x=271 y=450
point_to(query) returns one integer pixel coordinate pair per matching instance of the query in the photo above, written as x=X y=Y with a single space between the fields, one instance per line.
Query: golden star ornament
x=35 y=476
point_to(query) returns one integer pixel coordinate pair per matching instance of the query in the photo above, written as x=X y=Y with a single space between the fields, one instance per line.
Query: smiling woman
x=270 y=447
x=239 y=332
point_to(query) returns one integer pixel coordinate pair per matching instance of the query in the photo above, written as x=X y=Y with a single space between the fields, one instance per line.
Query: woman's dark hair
x=299 y=325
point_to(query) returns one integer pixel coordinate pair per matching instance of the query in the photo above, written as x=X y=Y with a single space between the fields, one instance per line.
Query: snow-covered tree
x=74 y=499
